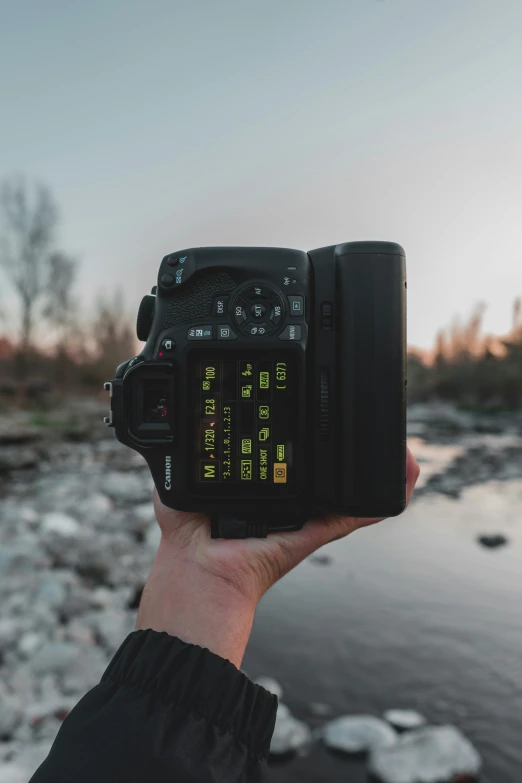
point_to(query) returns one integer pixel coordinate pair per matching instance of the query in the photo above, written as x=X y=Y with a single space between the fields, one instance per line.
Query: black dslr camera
x=271 y=387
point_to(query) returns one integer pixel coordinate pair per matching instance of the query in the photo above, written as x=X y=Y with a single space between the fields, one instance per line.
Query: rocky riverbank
x=77 y=539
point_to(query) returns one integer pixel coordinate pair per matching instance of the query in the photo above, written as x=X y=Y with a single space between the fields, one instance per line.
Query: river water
x=411 y=613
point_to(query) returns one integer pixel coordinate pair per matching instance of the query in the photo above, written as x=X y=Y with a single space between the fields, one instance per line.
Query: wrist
x=185 y=601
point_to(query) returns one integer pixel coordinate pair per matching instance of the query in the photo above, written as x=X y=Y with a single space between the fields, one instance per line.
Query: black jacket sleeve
x=165 y=712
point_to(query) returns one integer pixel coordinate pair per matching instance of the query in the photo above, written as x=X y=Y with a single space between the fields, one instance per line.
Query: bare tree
x=29 y=218
x=60 y=305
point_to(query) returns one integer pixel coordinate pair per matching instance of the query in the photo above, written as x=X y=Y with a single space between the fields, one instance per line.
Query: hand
x=205 y=590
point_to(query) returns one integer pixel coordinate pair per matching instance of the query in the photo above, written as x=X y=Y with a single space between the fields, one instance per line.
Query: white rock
x=10 y=628
x=153 y=536
x=270 y=684
x=290 y=734
x=358 y=733
x=429 y=755
x=10 y=711
x=320 y=710
x=112 y=626
x=29 y=515
x=79 y=633
x=51 y=592
x=54 y=657
x=29 y=643
x=60 y=524
x=32 y=756
x=405 y=720
x=126 y=487
x=97 y=505
x=145 y=512
x=14 y=773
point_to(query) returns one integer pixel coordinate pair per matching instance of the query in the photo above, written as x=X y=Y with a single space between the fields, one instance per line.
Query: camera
x=272 y=385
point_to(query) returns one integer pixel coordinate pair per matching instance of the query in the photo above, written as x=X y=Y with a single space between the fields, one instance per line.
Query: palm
x=252 y=565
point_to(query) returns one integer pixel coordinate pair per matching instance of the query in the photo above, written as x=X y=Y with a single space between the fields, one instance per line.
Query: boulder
x=358 y=734
x=60 y=524
x=493 y=541
x=10 y=712
x=54 y=658
x=290 y=734
x=404 y=720
x=16 y=458
x=270 y=685
x=434 y=754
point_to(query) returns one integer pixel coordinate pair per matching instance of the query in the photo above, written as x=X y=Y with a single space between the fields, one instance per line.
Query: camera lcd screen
x=244 y=424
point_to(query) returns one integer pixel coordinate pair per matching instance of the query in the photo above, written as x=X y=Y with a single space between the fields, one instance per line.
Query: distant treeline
x=469 y=368
x=78 y=354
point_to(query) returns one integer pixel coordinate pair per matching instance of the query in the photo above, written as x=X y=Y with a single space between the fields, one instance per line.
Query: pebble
x=358 y=734
x=404 y=720
x=270 y=685
x=493 y=541
x=434 y=754
x=61 y=524
x=290 y=734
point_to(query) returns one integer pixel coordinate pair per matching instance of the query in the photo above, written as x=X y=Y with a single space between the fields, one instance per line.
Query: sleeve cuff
x=195 y=680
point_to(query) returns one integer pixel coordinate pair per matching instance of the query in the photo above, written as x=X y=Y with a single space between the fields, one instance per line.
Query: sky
x=162 y=125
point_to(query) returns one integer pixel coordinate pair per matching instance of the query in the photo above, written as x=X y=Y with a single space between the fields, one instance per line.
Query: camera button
x=276 y=314
x=200 y=333
x=239 y=314
x=220 y=305
x=226 y=333
x=258 y=292
x=168 y=344
x=167 y=281
x=291 y=332
x=257 y=330
x=258 y=311
x=296 y=305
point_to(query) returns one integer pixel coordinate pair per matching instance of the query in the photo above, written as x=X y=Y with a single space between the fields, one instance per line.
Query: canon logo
x=168 y=472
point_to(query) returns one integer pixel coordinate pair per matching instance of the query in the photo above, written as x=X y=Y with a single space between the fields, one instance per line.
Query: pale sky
x=162 y=125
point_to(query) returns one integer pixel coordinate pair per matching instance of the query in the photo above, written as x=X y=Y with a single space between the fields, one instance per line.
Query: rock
x=270 y=685
x=52 y=592
x=10 y=712
x=145 y=512
x=12 y=434
x=434 y=754
x=127 y=487
x=32 y=756
x=153 y=536
x=289 y=734
x=85 y=671
x=320 y=710
x=320 y=559
x=80 y=633
x=493 y=541
x=96 y=506
x=20 y=559
x=404 y=720
x=29 y=643
x=111 y=627
x=14 y=773
x=29 y=516
x=10 y=629
x=60 y=524
x=358 y=734
x=15 y=458
x=54 y=657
